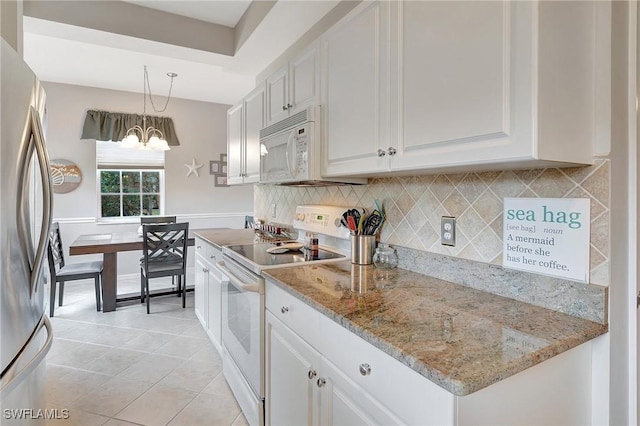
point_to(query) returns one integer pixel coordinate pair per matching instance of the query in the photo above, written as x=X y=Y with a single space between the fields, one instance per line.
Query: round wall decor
x=65 y=176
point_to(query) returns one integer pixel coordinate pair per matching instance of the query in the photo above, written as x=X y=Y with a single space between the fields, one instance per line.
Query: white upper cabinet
x=355 y=84
x=294 y=86
x=244 y=122
x=464 y=86
x=235 y=158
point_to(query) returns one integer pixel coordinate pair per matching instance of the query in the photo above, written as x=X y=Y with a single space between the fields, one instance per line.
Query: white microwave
x=290 y=152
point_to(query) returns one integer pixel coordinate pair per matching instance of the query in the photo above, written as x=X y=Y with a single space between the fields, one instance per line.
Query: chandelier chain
x=148 y=87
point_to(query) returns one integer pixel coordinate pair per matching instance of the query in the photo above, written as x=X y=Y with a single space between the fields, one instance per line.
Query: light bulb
x=163 y=145
x=154 y=142
x=130 y=141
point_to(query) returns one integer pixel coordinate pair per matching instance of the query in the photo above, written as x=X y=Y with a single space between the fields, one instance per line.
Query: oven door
x=242 y=311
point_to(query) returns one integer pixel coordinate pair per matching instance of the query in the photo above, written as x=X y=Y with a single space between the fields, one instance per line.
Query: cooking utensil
x=372 y=223
x=361 y=223
x=352 y=224
x=284 y=248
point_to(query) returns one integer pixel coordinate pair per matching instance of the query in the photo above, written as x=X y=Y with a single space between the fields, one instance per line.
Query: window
x=130 y=181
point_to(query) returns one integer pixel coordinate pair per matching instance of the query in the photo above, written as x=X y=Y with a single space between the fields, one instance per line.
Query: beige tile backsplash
x=415 y=204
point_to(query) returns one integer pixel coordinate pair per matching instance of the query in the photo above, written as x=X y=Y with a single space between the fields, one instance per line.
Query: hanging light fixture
x=143 y=137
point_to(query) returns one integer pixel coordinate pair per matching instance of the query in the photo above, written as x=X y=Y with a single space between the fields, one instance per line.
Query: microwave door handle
x=255 y=288
x=290 y=149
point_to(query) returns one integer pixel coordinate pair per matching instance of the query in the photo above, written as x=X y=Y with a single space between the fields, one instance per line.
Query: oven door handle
x=235 y=280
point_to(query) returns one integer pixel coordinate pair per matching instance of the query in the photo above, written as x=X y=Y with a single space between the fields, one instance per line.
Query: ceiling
x=85 y=47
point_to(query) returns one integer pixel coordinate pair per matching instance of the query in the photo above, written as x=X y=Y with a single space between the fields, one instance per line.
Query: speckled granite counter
x=223 y=236
x=458 y=337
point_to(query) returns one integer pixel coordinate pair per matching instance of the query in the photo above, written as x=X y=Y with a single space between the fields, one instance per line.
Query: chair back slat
x=165 y=243
x=55 y=250
x=157 y=219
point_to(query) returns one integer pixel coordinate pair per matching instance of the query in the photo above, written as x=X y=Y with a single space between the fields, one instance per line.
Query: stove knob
x=337 y=223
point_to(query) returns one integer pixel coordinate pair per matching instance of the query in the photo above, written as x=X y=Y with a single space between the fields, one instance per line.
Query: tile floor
x=127 y=367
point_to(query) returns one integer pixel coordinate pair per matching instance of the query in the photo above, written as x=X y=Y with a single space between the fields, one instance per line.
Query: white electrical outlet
x=273 y=210
x=448 y=231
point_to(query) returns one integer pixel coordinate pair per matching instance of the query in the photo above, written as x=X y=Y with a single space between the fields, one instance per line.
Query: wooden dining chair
x=145 y=220
x=165 y=255
x=60 y=272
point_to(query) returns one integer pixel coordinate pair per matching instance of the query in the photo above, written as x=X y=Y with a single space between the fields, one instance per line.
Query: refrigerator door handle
x=33 y=140
x=14 y=378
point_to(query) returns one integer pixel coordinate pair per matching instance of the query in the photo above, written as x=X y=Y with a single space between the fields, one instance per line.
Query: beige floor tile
x=116 y=422
x=151 y=368
x=207 y=354
x=114 y=361
x=147 y=341
x=112 y=396
x=241 y=420
x=157 y=406
x=74 y=417
x=72 y=386
x=183 y=347
x=208 y=410
x=77 y=355
x=192 y=375
x=218 y=386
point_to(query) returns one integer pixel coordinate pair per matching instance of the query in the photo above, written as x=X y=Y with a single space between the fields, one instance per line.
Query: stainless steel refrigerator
x=25 y=218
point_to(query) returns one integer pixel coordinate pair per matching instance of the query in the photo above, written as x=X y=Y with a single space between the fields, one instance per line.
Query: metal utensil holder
x=362 y=249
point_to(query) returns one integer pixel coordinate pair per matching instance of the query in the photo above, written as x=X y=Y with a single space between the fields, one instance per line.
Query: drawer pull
x=321 y=382
x=311 y=374
x=381 y=153
x=365 y=369
x=198 y=247
x=284 y=309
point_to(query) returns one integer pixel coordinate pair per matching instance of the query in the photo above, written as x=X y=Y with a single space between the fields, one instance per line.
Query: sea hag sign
x=547 y=236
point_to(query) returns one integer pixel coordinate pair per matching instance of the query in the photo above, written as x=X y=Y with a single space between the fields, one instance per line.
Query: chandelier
x=143 y=137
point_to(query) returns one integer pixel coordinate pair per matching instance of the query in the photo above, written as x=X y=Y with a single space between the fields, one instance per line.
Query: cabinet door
x=355 y=85
x=304 y=83
x=454 y=73
x=345 y=403
x=214 y=308
x=290 y=376
x=200 y=290
x=235 y=155
x=253 y=121
x=277 y=95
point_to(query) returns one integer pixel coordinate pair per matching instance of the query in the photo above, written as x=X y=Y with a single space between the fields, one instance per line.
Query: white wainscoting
x=128 y=262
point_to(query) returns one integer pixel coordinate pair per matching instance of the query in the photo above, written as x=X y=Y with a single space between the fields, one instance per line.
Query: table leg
x=109 y=282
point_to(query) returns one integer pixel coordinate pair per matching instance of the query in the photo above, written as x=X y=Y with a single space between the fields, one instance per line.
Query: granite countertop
x=224 y=236
x=458 y=337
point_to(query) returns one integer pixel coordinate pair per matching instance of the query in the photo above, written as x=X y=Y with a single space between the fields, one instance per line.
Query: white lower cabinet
x=305 y=388
x=319 y=373
x=208 y=290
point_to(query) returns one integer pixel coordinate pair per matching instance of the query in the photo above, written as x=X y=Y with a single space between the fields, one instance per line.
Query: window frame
x=121 y=218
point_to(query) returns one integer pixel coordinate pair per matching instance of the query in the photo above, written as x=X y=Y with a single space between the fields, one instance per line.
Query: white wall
x=202 y=130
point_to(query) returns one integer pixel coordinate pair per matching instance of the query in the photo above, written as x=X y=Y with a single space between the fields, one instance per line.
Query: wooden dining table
x=109 y=245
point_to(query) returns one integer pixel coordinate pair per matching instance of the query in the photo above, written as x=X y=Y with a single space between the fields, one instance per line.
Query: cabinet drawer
x=208 y=251
x=294 y=313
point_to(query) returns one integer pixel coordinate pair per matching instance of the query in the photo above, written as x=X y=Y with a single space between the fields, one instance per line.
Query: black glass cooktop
x=257 y=253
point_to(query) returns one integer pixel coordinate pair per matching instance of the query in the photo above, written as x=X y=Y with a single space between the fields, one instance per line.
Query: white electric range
x=243 y=298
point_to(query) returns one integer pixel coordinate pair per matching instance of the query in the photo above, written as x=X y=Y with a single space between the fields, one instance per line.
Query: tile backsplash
x=415 y=204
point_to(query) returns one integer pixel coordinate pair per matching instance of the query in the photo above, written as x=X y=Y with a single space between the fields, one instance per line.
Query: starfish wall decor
x=193 y=168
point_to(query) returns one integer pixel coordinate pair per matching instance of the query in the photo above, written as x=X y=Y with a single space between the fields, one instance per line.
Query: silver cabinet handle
x=284 y=309
x=198 y=247
x=321 y=382
x=311 y=374
x=381 y=153
x=284 y=108
x=289 y=106
x=365 y=369
x=213 y=256
x=392 y=151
